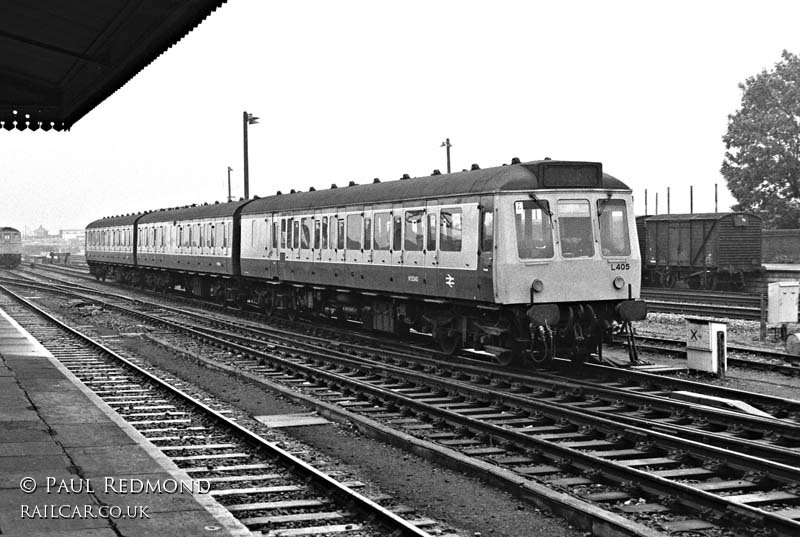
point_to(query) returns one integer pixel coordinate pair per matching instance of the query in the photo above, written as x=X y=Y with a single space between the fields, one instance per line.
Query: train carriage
x=522 y=259
x=194 y=247
x=10 y=247
x=488 y=258
x=110 y=244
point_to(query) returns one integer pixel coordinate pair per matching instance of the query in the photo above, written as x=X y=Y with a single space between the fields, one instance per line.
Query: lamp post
x=446 y=144
x=229 y=183
x=247 y=119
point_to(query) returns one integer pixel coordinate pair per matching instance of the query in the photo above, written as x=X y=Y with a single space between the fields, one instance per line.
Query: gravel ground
x=468 y=505
x=738 y=332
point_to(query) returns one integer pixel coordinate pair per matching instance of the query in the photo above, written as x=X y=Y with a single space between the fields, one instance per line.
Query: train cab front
x=570 y=258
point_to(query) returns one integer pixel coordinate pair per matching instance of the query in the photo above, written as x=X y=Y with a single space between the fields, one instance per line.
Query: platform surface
x=56 y=434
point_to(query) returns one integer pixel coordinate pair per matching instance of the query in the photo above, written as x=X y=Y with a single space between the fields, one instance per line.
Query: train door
x=274 y=224
x=316 y=239
x=414 y=239
x=339 y=250
x=327 y=238
x=431 y=251
x=396 y=247
x=382 y=237
x=354 y=235
x=306 y=238
x=366 y=243
x=486 y=248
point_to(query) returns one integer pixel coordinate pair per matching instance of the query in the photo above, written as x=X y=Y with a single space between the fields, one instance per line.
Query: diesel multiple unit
x=10 y=247
x=522 y=259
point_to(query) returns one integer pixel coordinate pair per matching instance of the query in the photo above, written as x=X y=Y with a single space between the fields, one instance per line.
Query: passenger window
x=431 y=232
x=224 y=235
x=340 y=233
x=487 y=230
x=283 y=233
x=383 y=231
x=353 y=232
x=450 y=230
x=398 y=232
x=296 y=234
x=305 y=233
x=289 y=233
x=413 y=231
x=367 y=233
x=534 y=228
x=275 y=233
x=613 y=221
x=575 y=228
x=317 y=225
x=324 y=232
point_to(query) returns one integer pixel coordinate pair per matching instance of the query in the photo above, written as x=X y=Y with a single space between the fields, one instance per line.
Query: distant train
x=705 y=250
x=527 y=259
x=10 y=247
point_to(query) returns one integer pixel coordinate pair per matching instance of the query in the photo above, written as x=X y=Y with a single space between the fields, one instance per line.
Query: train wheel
x=449 y=340
x=508 y=359
x=291 y=314
x=668 y=280
x=712 y=282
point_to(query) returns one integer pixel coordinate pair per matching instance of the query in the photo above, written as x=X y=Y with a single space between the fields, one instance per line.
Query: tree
x=762 y=158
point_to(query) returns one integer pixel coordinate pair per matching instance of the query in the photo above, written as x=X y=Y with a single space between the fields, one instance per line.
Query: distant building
x=71 y=234
x=40 y=233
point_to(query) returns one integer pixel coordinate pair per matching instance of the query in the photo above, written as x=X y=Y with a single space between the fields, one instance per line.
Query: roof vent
x=333 y=185
x=475 y=167
x=255 y=197
x=312 y=189
x=547 y=158
x=216 y=202
x=515 y=160
x=352 y=183
x=376 y=181
x=292 y=191
x=279 y=193
x=405 y=176
x=436 y=172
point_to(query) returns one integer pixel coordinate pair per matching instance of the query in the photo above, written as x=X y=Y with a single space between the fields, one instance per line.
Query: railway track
x=530 y=436
x=264 y=486
x=703 y=303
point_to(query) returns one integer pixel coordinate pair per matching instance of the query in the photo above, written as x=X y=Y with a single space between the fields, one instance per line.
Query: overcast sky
x=351 y=90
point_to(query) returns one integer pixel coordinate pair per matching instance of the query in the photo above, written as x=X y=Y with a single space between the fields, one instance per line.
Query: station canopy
x=60 y=59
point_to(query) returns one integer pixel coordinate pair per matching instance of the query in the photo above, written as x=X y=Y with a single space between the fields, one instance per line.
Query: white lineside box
x=782 y=302
x=706 y=345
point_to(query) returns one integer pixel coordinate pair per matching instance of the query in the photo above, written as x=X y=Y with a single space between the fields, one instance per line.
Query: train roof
x=527 y=176
x=189 y=212
x=534 y=175
x=9 y=229
x=113 y=221
x=697 y=216
x=192 y=212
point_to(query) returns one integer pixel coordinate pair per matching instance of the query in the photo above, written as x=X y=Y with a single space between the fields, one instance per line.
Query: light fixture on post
x=229 y=183
x=247 y=119
x=446 y=144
